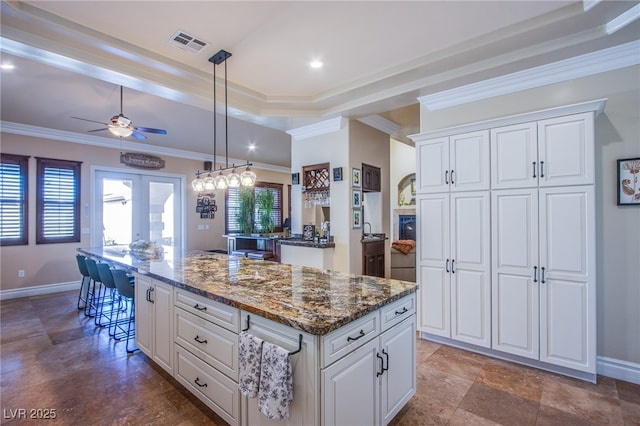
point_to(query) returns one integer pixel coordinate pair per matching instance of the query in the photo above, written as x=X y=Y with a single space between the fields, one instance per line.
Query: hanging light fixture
x=233 y=179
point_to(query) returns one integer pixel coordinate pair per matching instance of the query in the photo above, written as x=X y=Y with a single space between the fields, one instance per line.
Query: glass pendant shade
x=248 y=178
x=234 y=179
x=123 y=132
x=197 y=184
x=221 y=181
x=209 y=183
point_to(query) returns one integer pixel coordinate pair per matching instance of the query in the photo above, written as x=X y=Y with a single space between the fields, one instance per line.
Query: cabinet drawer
x=216 y=390
x=214 y=344
x=216 y=312
x=373 y=248
x=397 y=311
x=346 y=339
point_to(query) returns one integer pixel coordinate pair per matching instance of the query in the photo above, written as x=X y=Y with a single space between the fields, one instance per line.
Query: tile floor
x=53 y=357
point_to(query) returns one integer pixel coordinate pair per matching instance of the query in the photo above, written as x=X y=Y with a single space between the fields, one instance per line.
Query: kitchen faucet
x=363 y=226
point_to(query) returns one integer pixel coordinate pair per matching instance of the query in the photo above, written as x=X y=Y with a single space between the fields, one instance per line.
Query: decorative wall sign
x=308 y=232
x=628 y=183
x=141 y=161
x=206 y=206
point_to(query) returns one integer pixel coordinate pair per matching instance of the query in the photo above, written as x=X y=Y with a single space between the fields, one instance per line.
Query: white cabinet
x=456 y=163
x=454 y=271
x=154 y=320
x=371 y=384
x=553 y=152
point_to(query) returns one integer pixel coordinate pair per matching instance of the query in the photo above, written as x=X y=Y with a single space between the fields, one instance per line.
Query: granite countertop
x=307 y=299
x=302 y=243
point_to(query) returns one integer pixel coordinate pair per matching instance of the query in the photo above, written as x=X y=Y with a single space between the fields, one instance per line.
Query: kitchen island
x=356 y=334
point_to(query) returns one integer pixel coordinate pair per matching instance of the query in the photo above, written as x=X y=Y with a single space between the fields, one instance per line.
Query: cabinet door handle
x=200 y=308
x=197 y=339
x=453 y=266
x=150 y=290
x=147 y=297
x=535 y=274
x=534 y=169
x=452 y=182
x=197 y=382
x=379 y=373
x=446 y=266
x=542 y=169
x=403 y=311
x=446 y=177
x=542 y=278
x=349 y=338
x=386 y=354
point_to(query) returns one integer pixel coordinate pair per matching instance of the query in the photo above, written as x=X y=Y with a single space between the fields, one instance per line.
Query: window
x=57 y=201
x=13 y=200
x=232 y=207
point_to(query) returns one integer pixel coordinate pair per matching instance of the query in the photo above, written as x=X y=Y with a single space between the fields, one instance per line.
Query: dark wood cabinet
x=373 y=258
x=371 y=179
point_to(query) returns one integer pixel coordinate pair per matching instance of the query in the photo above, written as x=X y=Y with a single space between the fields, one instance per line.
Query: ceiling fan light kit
x=233 y=179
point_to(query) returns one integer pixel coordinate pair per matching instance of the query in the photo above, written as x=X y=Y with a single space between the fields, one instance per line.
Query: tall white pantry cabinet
x=506 y=237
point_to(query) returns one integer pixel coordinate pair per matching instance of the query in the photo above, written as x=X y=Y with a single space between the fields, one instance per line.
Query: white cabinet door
x=434 y=263
x=144 y=315
x=566 y=150
x=398 y=347
x=469 y=161
x=470 y=268
x=351 y=388
x=514 y=156
x=433 y=163
x=163 y=350
x=515 y=272
x=567 y=281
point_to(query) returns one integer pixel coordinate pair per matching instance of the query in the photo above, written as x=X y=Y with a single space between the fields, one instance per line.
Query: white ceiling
x=70 y=57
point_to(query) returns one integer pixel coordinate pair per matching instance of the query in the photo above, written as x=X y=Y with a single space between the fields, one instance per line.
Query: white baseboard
x=618 y=369
x=15 y=293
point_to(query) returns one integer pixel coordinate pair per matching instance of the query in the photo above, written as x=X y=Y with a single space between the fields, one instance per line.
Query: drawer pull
x=403 y=311
x=197 y=382
x=197 y=339
x=349 y=338
x=200 y=308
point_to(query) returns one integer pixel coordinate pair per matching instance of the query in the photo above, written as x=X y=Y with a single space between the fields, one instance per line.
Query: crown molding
x=380 y=123
x=317 y=129
x=64 y=136
x=610 y=59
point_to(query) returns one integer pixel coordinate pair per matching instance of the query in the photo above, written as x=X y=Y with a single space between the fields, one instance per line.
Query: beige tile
x=514 y=379
x=465 y=418
x=630 y=413
x=458 y=362
x=629 y=392
x=498 y=406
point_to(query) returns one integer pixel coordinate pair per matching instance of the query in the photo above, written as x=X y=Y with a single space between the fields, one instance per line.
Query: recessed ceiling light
x=252 y=146
x=316 y=64
x=7 y=66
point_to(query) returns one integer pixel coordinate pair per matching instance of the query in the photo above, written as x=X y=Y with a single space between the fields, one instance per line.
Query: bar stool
x=85 y=282
x=108 y=298
x=93 y=296
x=126 y=291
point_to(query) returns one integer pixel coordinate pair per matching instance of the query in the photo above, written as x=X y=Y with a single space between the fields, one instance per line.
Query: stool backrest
x=123 y=285
x=93 y=270
x=105 y=275
x=82 y=265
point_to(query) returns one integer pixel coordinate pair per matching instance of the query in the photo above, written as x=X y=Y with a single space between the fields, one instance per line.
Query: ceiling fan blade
x=97 y=130
x=151 y=130
x=138 y=136
x=91 y=121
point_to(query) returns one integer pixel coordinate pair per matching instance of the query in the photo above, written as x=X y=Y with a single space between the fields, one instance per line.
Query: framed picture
x=356 y=198
x=308 y=232
x=356 y=218
x=337 y=174
x=295 y=178
x=355 y=178
x=628 y=184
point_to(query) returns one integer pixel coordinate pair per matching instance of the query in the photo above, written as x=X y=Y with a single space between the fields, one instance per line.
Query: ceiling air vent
x=187 y=42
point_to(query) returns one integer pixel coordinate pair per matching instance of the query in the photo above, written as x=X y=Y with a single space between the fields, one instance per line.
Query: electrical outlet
x=20 y=273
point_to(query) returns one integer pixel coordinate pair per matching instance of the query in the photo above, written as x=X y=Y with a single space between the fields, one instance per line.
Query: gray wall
x=617 y=227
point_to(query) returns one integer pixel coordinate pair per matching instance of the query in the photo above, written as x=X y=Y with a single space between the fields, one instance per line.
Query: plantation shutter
x=232 y=207
x=13 y=199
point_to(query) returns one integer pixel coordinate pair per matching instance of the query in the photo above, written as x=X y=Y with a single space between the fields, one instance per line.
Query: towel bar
x=290 y=353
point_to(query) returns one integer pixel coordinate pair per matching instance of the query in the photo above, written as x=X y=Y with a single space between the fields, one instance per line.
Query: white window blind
x=58 y=201
x=13 y=199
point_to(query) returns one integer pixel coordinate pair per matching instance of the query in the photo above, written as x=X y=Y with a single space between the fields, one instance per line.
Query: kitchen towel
x=276 y=382
x=249 y=362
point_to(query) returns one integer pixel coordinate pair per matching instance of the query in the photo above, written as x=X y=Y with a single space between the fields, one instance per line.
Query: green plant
x=247 y=207
x=265 y=200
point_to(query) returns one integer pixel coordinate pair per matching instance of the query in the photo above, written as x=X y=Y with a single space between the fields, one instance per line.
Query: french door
x=136 y=206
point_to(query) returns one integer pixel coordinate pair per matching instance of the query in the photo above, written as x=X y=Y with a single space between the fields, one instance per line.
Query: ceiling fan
x=119 y=125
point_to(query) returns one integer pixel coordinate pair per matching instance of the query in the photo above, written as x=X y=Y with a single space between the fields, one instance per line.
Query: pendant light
x=220 y=180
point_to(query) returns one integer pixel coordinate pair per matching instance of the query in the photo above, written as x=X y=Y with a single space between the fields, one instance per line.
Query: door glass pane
x=161 y=213
x=117 y=212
